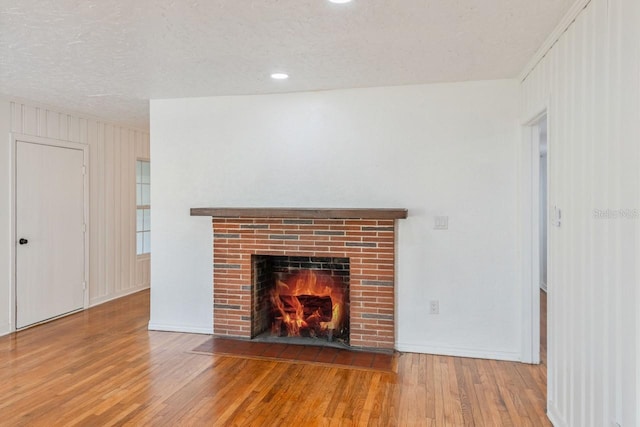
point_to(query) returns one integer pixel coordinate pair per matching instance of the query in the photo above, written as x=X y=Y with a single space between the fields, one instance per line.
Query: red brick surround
x=369 y=244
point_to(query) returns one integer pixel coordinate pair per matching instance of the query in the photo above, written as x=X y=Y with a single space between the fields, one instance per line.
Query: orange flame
x=285 y=299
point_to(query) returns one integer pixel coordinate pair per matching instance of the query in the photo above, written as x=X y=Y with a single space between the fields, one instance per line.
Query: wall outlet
x=434 y=307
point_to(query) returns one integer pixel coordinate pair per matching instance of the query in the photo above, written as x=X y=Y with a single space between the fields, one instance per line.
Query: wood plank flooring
x=102 y=367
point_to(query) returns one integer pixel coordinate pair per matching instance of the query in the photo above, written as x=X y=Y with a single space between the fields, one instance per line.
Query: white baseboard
x=180 y=328
x=460 y=352
x=553 y=416
x=120 y=294
x=6 y=330
x=9 y=329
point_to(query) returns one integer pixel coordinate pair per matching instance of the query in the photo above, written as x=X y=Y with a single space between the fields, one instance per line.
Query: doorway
x=543 y=221
x=50 y=211
x=535 y=221
x=543 y=200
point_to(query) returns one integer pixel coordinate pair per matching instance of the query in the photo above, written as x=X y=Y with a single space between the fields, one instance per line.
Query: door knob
x=23 y=241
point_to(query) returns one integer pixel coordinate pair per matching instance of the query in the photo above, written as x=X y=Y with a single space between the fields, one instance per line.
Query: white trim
x=553 y=38
x=12 y=219
x=554 y=416
x=50 y=319
x=15 y=137
x=102 y=300
x=530 y=236
x=96 y=303
x=142 y=255
x=638 y=305
x=511 y=356
x=86 y=170
x=535 y=118
x=180 y=328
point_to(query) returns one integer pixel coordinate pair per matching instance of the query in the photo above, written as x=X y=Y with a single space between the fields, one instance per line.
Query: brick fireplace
x=361 y=239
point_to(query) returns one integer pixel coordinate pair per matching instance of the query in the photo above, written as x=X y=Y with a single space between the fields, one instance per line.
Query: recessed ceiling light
x=340 y=1
x=279 y=76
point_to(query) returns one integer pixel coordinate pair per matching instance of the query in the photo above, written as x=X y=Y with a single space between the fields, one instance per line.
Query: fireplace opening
x=300 y=299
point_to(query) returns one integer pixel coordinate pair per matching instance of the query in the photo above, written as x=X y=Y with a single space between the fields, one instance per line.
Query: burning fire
x=308 y=302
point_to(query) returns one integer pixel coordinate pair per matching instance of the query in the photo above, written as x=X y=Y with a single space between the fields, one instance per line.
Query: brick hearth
x=368 y=243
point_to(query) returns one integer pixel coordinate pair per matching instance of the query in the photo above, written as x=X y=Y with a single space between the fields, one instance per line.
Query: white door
x=49 y=232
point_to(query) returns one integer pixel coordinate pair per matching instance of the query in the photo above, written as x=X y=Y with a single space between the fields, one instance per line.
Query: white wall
x=589 y=81
x=446 y=149
x=114 y=269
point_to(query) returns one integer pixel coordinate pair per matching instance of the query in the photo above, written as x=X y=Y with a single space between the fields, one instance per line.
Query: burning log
x=302 y=315
x=306 y=305
x=312 y=304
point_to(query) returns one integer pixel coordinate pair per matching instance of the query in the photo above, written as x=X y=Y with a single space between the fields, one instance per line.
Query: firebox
x=302 y=297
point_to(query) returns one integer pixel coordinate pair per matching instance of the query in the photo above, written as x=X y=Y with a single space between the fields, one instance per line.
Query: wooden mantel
x=314 y=213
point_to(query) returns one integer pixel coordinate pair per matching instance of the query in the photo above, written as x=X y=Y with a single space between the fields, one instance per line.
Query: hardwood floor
x=102 y=367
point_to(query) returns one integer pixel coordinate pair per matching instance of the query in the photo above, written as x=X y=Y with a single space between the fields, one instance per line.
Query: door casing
x=15 y=137
x=530 y=237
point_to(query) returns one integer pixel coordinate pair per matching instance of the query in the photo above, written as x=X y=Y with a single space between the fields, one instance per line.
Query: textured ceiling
x=108 y=58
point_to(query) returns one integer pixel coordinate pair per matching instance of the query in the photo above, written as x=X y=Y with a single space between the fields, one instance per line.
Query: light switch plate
x=434 y=307
x=441 y=223
x=556 y=216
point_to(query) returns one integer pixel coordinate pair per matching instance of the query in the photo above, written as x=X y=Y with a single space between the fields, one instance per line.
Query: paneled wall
x=115 y=270
x=589 y=84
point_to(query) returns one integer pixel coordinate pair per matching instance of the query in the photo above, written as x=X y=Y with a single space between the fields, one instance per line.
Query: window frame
x=142 y=207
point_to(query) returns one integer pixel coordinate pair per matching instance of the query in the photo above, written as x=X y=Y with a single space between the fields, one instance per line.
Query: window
x=143 y=211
